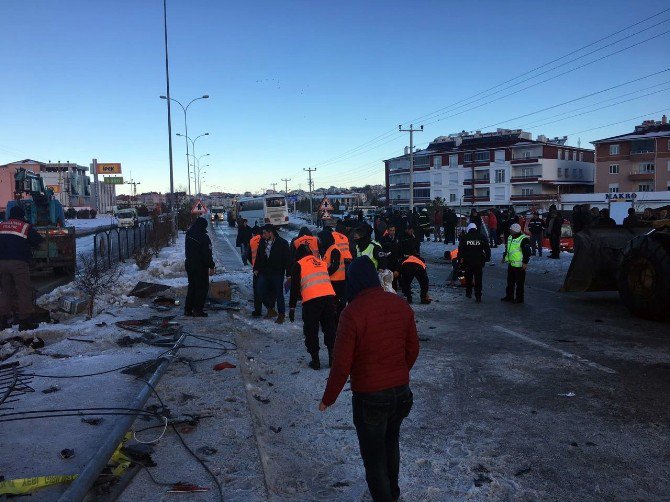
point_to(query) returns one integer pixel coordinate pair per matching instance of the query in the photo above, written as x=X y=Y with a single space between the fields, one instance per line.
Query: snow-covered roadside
x=91 y=224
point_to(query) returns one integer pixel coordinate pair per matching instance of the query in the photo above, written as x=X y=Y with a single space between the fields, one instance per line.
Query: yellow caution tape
x=21 y=486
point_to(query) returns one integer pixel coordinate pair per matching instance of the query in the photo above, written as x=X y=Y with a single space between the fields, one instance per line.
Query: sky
x=300 y=84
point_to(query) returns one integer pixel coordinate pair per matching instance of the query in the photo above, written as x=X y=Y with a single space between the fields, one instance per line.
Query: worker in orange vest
x=414 y=266
x=304 y=237
x=311 y=283
x=337 y=262
x=258 y=297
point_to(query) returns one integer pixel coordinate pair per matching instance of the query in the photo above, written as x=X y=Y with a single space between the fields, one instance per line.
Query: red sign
x=199 y=207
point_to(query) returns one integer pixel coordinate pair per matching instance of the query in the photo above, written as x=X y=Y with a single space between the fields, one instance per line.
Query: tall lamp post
x=185 y=109
x=193 y=152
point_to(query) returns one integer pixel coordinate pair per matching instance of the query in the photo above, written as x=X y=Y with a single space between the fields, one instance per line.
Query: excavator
x=44 y=212
x=635 y=261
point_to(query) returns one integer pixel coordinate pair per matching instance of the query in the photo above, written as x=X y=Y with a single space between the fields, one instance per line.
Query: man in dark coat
x=473 y=252
x=450 y=222
x=554 y=225
x=16 y=240
x=272 y=262
x=244 y=235
x=377 y=345
x=199 y=266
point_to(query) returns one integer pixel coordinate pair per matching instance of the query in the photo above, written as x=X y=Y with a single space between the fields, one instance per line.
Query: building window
x=614 y=149
x=467 y=192
x=614 y=188
x=467 y=157
x=560 y=153
x=559 y=172
x=526 y=191
x=452 y=197
x=500 y=176
x=437 y=161
x=482 y=156
x=453 y=160
x=581 y=173
x=527 y=172
x=614 y=168
x=526 y=155
x=574 y=173
x=423 y=193
x=647 y=167
x=645 y=187
x=581 y=156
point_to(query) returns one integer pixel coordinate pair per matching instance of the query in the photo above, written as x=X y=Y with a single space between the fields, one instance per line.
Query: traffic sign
x=199 y=207
x=326 y=205
x=113 y=180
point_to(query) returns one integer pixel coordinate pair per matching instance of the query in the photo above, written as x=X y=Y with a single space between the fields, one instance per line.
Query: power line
x=286 y=180
x=620 y=122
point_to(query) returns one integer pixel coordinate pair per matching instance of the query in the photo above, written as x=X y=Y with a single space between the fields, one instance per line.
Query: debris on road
x=146 y=289
x=224 y=365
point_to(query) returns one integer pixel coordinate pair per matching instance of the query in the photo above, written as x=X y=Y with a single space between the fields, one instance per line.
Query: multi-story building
x=7 y=172
x=151 y=200
x=635 y=162
x=501 y=168
x=69 y=181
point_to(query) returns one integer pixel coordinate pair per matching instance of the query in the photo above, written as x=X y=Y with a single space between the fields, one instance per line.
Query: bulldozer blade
x=597 y=255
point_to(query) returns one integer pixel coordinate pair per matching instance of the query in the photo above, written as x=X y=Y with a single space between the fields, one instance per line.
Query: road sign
x=199 y=207
x=113 y=180
x=109 y=168
x=326 y=205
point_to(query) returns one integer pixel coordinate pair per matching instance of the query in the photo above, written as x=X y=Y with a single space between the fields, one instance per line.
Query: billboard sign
x=113 y=180
x=109 y=168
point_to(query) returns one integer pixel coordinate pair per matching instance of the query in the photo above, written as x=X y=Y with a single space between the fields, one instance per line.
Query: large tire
x=644 y=276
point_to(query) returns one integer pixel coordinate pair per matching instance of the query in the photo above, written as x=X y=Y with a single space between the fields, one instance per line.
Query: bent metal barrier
x=118 y=244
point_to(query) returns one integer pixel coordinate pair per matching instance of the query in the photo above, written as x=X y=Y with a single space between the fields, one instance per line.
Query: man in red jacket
x=377 y=345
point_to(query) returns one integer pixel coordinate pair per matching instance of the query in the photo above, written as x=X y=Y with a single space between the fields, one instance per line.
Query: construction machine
x=44 y=212
x=635 y=261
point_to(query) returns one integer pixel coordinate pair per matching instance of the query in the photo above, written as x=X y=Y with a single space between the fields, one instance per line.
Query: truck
x=127 y=218
x=58 y=251
x=217 y=213
x=635 y=261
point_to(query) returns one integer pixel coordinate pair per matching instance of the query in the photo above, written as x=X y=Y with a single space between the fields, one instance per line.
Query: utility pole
x=311 y=212
x=411 y=132
x=286 y=180
x=274 y=187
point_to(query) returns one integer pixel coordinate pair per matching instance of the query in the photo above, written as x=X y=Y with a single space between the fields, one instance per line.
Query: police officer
x=365 y=246
x=473 y=252
x=16 y=239
x=310 y=281
x=517 y=255
x=199 y=266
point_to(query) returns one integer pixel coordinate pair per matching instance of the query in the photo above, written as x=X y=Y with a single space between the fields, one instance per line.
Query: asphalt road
x=562 y=398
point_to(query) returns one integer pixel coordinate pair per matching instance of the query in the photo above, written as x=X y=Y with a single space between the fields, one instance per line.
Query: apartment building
x=635 y=162
x=499 y=168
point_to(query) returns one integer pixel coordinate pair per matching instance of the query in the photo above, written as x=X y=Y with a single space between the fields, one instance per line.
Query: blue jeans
x=271 y=285
x=493 y=237
x=244 y=251
x=377 y=418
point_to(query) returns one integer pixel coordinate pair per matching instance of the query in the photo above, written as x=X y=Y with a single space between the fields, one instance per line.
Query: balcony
x=483 y=181
x=470 y=198
x=533 y=197
x=532 y=160
x=524 y=179
x=476 y=163
x=644 y=176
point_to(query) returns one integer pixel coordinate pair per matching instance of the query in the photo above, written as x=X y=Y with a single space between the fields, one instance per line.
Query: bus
x=262 y=210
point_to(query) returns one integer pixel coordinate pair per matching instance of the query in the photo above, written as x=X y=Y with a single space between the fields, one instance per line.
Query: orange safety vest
x=311 y=242
x=314 y=279
x=253 y=244
x=453 y=254
x=342 y=244
x=414 y=259
x=339 y=274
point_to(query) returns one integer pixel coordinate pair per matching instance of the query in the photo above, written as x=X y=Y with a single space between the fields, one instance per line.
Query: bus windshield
x=275 y=202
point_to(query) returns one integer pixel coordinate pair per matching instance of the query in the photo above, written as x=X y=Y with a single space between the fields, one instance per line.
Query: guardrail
x=116 y=243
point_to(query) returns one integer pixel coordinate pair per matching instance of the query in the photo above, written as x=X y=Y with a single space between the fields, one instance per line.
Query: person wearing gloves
x=517 y=255
x=311 y=283
x=376 y=345
x=473 y=252
x=199 y=266
x=337 y=267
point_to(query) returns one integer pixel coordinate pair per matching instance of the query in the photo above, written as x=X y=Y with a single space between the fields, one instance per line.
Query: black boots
x=330 y=358
x=315 y=363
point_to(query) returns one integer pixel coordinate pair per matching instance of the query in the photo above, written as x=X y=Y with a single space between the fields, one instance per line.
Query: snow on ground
x=91 y=224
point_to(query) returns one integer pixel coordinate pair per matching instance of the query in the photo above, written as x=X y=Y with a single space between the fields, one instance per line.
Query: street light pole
x=167 y=97
x=185 y=109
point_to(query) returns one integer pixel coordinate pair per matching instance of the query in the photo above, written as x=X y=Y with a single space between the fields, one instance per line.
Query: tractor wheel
x=644 y=276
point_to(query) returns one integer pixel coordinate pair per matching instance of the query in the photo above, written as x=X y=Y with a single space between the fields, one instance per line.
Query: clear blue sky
x=297 y=83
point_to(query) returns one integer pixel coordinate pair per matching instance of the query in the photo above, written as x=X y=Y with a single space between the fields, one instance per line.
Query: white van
x=127 y=218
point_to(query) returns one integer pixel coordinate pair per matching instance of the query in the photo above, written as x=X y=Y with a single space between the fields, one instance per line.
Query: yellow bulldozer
x=632 y=260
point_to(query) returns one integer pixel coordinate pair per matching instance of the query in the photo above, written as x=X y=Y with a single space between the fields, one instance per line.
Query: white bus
x=262 y=210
